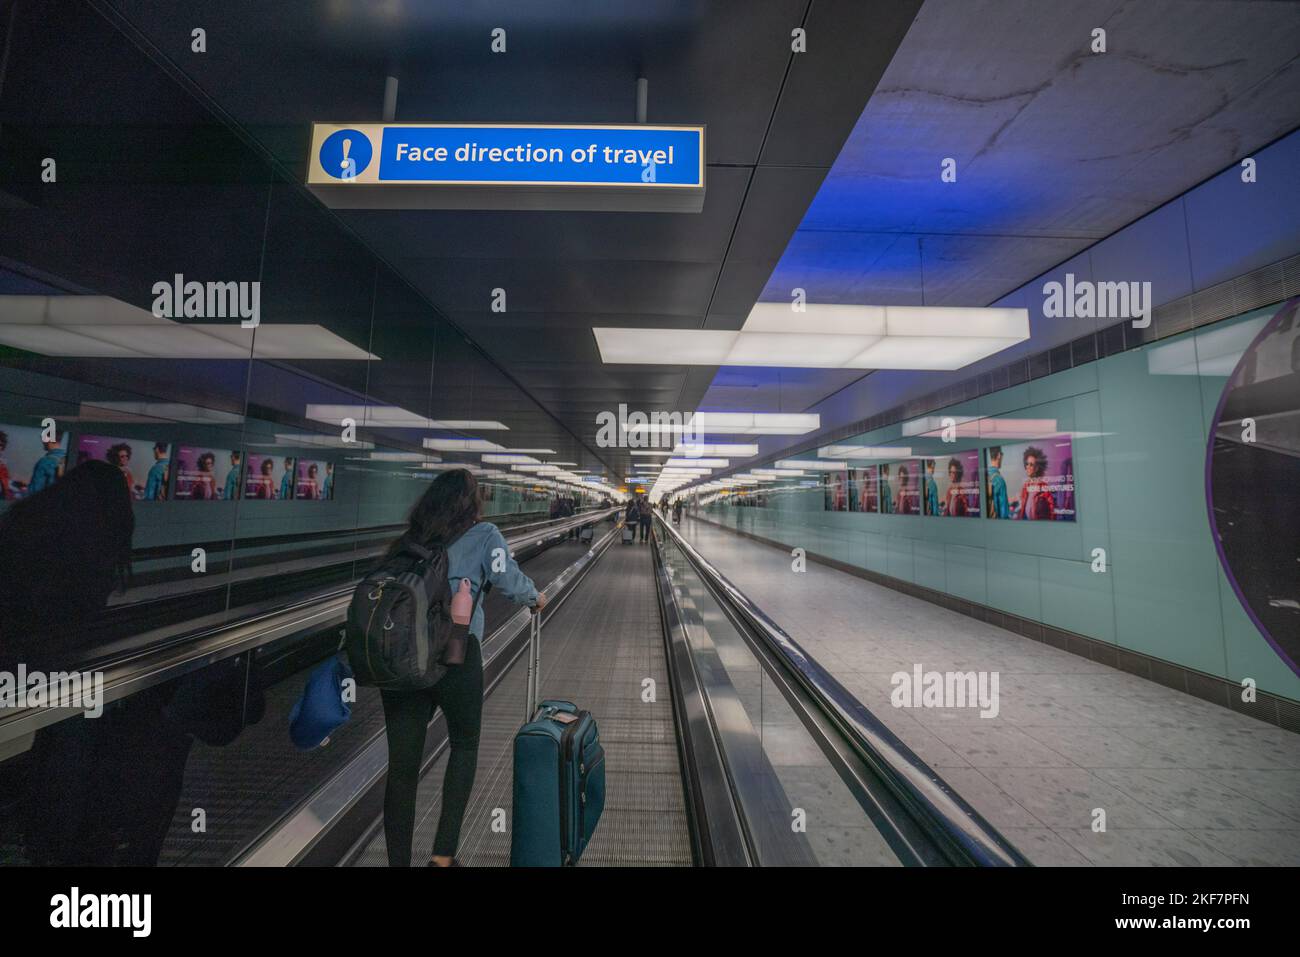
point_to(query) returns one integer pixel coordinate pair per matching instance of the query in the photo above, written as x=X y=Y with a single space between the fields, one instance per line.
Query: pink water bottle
x=462 y=607
x=461 y=603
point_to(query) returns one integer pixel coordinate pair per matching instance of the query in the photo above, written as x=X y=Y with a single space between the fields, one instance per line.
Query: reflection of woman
x=204 y=485
x=262 y=485
x=62 y=552
x=97 y=790
x=956 y=504
x=886 y=492
x=120 y=455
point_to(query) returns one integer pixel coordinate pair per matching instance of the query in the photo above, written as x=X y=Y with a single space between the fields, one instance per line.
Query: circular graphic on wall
x=1252 y=478
x=345 y=153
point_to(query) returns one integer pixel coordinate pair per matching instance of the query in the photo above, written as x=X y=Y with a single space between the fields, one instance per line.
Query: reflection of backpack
x=399 y=621
x=216 y=703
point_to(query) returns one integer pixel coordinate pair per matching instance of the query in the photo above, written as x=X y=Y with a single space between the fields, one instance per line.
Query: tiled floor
x=1180 y=781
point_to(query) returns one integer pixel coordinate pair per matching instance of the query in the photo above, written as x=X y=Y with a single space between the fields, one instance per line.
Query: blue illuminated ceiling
x=1055 y=147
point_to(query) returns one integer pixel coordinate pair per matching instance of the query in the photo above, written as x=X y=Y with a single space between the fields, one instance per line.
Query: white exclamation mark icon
x=349 y=165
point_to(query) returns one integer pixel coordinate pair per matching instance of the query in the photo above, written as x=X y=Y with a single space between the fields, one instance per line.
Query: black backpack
x=399 y=621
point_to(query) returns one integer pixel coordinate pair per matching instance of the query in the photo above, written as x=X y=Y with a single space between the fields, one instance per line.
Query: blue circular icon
x=345 y=153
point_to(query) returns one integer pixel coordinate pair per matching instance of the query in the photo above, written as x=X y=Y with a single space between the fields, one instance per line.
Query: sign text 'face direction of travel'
x=639 y=157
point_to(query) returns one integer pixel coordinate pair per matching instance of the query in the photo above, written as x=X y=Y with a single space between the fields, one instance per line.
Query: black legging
x=407 y=713
x=645 y=528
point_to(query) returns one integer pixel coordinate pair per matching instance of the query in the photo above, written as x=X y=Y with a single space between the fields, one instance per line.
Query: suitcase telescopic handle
x=534 y=663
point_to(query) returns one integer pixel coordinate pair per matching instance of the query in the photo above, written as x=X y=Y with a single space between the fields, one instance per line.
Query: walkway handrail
x=968 y=837
x=137 y=669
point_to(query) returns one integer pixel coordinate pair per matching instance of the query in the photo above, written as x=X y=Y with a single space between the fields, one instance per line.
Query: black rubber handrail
x=133 y=669
x=964 y=836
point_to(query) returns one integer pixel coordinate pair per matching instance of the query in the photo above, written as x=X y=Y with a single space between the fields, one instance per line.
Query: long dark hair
x=63 y=550
x=448 y=507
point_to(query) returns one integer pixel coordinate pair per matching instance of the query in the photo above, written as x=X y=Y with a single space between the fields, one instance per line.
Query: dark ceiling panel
x=850 y=43
x=726 y=65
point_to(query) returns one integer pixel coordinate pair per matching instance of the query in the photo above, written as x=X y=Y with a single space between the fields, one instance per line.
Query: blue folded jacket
x=322 y=707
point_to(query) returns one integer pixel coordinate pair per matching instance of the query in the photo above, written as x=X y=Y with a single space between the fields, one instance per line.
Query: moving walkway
x=725 y=744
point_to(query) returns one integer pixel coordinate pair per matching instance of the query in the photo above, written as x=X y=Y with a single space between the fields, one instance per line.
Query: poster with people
x=207 y=474
x=269 y=477
x=145 y=465
x=27 y=462
x=835 y=491
x=885 y=489
x=951 y=485
x=312 y=478
x=1033 y=481
x=864 y=486
x=906 y=487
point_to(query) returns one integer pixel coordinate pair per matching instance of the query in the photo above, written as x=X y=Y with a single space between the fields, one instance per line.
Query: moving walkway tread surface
x=247 y=785
x=598 y=647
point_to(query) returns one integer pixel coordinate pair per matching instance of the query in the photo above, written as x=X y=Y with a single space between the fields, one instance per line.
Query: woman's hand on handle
x=538 y=605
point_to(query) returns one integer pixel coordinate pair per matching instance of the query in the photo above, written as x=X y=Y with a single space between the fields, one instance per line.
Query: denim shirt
x=471 y=556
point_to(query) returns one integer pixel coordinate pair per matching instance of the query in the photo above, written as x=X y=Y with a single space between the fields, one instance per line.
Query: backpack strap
x=478 y=600
x=412 y=547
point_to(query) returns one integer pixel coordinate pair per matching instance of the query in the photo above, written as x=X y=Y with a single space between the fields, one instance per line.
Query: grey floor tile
x=1190 y=799
x=1256 y=848
x=1154 y=847
x=1044 y=847
x=850 y=847
x=1067 y=798
x=1277 y=788
x=994 y=804
x=1095 y=746
x=987 y=746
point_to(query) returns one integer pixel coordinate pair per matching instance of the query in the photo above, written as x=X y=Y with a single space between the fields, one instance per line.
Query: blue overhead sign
x=637 y=157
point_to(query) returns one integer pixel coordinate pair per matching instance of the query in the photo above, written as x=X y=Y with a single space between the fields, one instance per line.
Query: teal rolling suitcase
x=559 y=777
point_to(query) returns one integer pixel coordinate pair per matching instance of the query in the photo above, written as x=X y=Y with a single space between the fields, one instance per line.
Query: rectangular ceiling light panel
x=829 y=337
x=462 y=445
x=696 y=449
x=395 y=417
x=862 y=452
x=816 y=466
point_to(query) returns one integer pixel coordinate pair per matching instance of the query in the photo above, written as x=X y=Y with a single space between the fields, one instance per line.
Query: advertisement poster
x=835 y=491
x=145 y=465
x=207 y=474
x=865 y=487
x=26 y=463
x=885 y=489
x=1031 y=480
x=269 y=477
x=906 y=487
x=315 y=480
x=952 y=485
